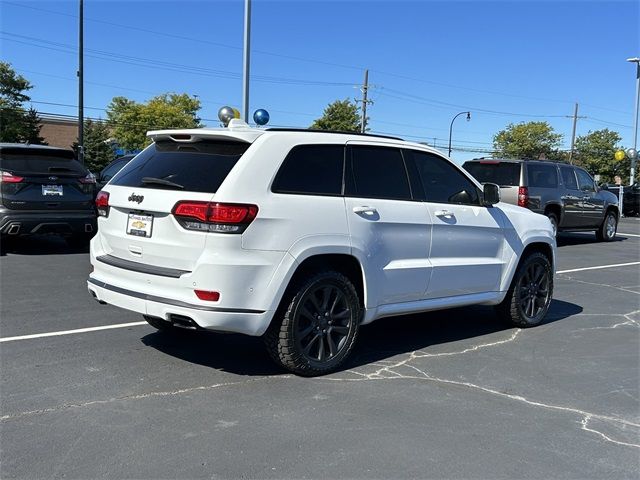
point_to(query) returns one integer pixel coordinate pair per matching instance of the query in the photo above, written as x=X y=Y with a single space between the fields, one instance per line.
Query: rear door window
x=311 y=169
x=377 y=172
x=569 y=178
x=504 y=174
x=193 y=167
x=542 y=176
x=25 y=161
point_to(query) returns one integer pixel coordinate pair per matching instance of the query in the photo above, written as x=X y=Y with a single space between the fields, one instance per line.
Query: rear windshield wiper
x=162 y=181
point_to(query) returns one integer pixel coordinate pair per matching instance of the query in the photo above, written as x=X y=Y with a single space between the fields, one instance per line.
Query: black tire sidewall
x=510 y=308
x=281 y=337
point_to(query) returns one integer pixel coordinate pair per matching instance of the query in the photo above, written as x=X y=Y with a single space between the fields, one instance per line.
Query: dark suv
x=565 y=193
x=45 y=190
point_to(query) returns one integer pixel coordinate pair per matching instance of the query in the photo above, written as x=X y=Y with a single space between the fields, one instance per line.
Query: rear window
x=193 y=167
x=504 y=174
x=40 y=162
x=542 y=176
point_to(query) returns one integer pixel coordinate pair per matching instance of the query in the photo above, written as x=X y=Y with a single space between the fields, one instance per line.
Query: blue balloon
x=261 y=116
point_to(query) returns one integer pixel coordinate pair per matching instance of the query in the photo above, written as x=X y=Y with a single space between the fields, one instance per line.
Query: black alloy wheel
x=534 y=293
x=316 y=328
x=529 y=296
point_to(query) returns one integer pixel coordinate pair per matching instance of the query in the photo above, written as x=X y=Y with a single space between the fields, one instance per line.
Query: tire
x=529 y=296
x=316 y=326
x=554 y=222
x=609 y=227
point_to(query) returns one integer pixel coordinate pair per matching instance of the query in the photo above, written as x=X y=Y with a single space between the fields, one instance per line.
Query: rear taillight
x=7 y=177
x=90 y=178
x=523 y=197
x=102 y=203
x=88 y=183
x=214 y=217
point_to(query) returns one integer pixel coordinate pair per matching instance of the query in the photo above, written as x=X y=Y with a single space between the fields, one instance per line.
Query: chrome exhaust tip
x=14 y=229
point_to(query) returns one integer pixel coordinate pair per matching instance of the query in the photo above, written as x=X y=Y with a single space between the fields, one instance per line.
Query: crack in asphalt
x=388 y=371
x=621 y=288
x=139 y=396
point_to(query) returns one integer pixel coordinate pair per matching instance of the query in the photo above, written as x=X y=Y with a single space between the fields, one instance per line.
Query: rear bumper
x=14 y=222
x=248 y=322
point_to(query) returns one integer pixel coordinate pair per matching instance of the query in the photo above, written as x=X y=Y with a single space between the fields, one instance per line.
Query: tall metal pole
x=573 y=134
x=365 y=88
x=81 y=84
x=451 y=126
x=246 y=60
x=635 y=121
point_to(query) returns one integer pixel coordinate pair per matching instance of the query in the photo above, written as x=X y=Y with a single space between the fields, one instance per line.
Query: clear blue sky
x=507 y=61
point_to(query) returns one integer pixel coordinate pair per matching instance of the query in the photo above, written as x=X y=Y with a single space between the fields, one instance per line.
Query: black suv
x=45 y=190
x=565 y=193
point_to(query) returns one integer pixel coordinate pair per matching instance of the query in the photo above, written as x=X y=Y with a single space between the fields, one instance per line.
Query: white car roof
x=240 y=131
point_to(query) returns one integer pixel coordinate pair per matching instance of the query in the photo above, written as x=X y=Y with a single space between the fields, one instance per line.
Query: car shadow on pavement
x=381 y=340
x=42 y=245
x=567 y=239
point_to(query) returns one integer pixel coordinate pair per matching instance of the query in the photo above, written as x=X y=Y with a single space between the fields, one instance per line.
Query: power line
x=437 y=103
x=163 y=65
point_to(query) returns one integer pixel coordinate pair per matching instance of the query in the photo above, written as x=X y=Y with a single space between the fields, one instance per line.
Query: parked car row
x=566 y=194
x=45 y=190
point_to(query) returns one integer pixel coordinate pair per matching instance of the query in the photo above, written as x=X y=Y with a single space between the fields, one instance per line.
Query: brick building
x=59 y=131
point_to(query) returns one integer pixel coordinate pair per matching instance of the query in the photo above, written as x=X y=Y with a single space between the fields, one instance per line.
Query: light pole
x=246 y=63
x=81 y=82
x=451 y=126
x=635 y=60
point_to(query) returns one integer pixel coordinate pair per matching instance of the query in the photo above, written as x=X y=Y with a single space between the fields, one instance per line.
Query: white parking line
x=71 y=332
x=598 y=267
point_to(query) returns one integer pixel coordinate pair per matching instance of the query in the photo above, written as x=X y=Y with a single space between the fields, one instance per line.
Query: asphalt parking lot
x=454 y=394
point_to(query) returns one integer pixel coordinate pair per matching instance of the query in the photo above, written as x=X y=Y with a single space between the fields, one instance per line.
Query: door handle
x=366 y=210
x=444 y=213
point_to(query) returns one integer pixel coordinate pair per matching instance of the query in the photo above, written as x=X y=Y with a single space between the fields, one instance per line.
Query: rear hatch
x=140 y=225
x=44 y=179
x=505 y=174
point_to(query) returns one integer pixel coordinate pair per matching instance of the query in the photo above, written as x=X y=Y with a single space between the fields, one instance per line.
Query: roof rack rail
x=313 y=130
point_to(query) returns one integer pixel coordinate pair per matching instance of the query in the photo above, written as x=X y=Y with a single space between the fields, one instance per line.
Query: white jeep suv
x=303 y=236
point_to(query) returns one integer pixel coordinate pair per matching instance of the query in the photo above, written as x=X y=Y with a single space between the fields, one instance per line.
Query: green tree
x=130 y=121
x=595 y=152
x=527 y=140
x=17 y=124
x=98 y=151
x=32 y=126
x=340 y=115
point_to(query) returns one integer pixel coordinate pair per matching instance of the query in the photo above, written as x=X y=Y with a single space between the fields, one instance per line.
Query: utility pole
x=634 y=159
x=365 y=88
x=81 y=84
x=573 y=134
x=246 y=60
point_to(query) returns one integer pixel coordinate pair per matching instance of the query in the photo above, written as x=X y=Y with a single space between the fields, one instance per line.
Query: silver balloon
x=225 y=114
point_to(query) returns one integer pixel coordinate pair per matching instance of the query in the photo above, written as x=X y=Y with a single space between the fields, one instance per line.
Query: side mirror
x=490 y=194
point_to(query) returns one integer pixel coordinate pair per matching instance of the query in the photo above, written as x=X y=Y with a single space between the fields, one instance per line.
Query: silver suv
x=565 y=193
